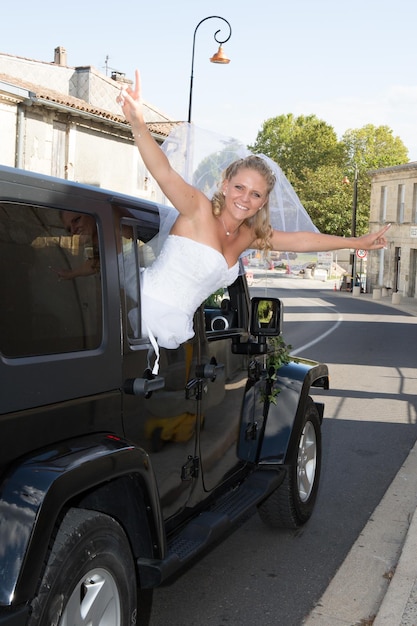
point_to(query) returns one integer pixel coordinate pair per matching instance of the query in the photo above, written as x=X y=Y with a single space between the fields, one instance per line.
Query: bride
x=211 y=234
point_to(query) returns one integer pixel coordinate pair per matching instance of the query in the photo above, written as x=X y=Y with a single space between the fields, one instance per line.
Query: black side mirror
x=266 y=317
x=265 y=321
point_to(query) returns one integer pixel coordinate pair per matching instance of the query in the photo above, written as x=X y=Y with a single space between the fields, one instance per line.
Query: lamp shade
x=220 y=56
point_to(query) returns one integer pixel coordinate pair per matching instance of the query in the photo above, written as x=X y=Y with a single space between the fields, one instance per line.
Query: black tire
x=89 y=577
x=292 y=503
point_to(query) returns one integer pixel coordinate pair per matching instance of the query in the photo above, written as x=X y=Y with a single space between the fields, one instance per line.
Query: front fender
x=294 y=382
x=36 y=490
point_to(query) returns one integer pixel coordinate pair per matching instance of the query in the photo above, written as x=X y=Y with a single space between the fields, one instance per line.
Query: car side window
x=50 y=281
x=138 y=252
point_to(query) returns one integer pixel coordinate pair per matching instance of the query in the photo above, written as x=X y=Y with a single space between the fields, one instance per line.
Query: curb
x=361 y=591
x=399 y=605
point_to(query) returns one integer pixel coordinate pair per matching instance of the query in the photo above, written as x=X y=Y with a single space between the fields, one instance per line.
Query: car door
x=231 y=405
x=160 y=412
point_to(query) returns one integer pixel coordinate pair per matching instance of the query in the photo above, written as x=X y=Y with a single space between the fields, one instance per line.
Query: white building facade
x=65 y=122
x=394 y=201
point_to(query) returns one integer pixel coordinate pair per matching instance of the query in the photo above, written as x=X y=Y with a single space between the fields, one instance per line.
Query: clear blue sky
x=350 y=63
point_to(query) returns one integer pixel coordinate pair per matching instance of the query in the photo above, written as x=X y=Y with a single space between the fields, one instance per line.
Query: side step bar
x=209 y=526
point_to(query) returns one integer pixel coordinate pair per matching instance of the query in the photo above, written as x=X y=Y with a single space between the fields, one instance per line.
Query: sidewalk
x=408 y=305
x=399 y=606
x=377 y=583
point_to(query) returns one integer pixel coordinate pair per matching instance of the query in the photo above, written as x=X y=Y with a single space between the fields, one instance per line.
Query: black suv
x=113 y=477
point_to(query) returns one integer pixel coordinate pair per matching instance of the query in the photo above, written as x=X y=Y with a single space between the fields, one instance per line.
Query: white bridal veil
x=201 y=156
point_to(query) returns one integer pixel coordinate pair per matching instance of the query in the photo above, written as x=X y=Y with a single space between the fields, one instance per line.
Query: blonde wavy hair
x=260 y=222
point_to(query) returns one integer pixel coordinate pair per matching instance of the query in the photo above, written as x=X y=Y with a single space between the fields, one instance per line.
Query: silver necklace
x=228 y=233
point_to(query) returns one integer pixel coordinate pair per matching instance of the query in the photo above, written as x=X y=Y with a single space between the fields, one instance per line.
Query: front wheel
x=90 y=577
x=292 y=503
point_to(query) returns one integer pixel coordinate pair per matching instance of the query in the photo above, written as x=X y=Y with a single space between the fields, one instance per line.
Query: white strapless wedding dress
x=183 y=275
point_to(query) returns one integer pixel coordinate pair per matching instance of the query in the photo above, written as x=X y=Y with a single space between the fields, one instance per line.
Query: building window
x=58 y=159
x=383 y=205
x=400 y=204
x=414 y=218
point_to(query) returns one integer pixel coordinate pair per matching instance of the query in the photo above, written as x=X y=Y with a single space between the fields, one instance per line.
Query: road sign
x=361 y=254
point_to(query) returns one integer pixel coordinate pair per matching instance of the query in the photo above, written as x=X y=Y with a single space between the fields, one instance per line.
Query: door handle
x=143 y=386
x=209 y=370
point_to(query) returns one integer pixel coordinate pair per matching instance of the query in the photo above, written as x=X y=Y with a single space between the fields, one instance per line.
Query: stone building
x=394 y=200
x=64 y=121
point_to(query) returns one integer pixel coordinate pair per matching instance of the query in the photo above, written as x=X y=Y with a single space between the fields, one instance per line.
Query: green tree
x=369 y=148
x=322 y=169
x=326 y=199
x=327 y=195
x=299 y=144
x=373 y=147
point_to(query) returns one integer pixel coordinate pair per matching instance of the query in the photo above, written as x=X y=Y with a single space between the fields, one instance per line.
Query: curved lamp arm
x=219 y=41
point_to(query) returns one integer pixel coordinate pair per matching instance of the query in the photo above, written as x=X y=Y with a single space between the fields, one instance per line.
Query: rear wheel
x=292 y=503
x=90 y=577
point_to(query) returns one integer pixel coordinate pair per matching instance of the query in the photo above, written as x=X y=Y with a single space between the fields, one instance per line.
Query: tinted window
x=138 y=252
x=50 y=281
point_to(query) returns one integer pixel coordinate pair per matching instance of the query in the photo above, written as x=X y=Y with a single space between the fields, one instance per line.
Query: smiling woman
x=236 y=219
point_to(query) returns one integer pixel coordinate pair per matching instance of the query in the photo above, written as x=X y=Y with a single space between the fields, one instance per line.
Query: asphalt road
x=275 y=578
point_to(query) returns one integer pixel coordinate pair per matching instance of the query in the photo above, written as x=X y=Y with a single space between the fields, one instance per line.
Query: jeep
x=113 y=476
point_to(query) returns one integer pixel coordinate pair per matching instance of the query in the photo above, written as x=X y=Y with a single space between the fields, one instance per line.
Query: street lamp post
x=353 y=228
x=218 y=57
x=354 y=202
x=353 y=225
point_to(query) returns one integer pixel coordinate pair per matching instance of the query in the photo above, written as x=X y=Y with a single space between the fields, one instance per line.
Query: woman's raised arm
x=182 y=195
